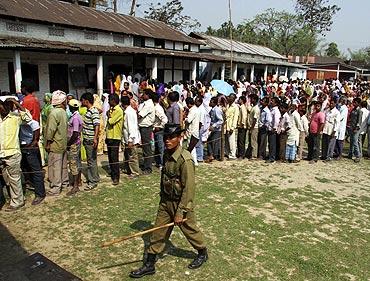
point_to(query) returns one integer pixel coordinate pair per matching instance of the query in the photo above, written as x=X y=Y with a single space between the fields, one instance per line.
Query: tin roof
x=72 y=15
x=240 y=47
x=36 y=44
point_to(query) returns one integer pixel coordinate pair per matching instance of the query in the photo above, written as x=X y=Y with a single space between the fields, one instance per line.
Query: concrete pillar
x=286 y=72
x=17 y=71
x=265 y=73
x=154 y=68
x=194 y=71
x=223 y=68
x=99 y=76
x=277 y=72
x=251 y=79
x=235 y=72
x=338 y=71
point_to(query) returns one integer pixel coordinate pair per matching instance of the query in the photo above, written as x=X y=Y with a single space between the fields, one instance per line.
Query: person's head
x=59 y=99
x=136 y=80
x=198 y=101
x=172 y=135
x=47 y=98
x=125 y=100
x=28 y=87
x=302 y=111
x=275 y=101
x=317 y=106
x=254 y=99
x=343 y=101
x=147 y=94
x=6 y=107
x=156 y=98
x=363 y=104
x=113 y=100
x=242 y=100
x=284 y=107
x=356 y=102
x=87 y=100
x=265 y=101
x=126 y=85
x=173 y=97
x=189 y=102
x=73 y=105
x=213 y=102
x=332 y=103
x=70 y=97
x=231 y=99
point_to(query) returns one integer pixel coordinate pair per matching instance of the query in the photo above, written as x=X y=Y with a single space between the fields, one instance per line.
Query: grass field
x=261 y=222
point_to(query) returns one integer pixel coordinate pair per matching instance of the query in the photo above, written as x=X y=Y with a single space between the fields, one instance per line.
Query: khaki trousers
x=58 y=171
x=166 y=214
x=254 y=141
x=11 y=170
x=132 y=161
x=302 y=140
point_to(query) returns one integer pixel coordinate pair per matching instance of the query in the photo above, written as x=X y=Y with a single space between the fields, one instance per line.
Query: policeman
x=176 y=204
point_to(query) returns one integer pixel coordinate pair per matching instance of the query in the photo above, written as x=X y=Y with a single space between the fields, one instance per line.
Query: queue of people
x=270 y=121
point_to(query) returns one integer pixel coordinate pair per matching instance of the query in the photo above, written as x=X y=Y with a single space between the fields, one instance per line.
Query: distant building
x=254 y=62
x=321 y=68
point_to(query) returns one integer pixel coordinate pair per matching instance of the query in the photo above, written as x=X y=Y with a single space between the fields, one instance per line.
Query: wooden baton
x=124 y=238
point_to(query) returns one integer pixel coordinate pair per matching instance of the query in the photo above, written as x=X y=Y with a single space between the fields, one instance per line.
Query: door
x=58 y=77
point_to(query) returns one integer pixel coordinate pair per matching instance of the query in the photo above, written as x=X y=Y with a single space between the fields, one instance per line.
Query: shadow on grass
x=170 y=248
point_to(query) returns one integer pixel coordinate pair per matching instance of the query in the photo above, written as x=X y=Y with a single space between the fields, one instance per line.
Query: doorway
x=58 y=77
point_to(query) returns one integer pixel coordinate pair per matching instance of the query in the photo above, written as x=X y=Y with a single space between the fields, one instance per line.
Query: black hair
x=88 y=96
x=149 y=92
x=136 y=80
x=155 y=98
x=173 y=96
x=190 y=101
x=125 y=100
x=243 y=98
x=114 y=97
x=276 y=100
x=254 y=97
x=199 y=98
x=29 y=85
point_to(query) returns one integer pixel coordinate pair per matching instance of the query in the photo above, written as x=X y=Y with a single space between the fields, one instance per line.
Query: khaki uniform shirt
x=178 y=180
x=57 y=130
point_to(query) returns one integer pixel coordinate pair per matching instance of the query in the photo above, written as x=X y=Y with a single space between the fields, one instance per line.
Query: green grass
x=255 y=228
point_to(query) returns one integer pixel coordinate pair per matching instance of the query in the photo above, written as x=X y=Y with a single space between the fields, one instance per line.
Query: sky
x=351 y=27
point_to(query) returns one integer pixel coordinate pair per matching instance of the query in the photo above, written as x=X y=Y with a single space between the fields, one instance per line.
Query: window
x=118 y=38
x=56 y=31
x=16 y=27
x=159 y=43
x=222 y=52
x=91 y=35
x=139 y=41
x=29 y=71
x=187 y=47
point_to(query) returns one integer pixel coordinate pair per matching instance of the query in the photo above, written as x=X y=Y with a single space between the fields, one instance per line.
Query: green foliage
x=171 y=13
x=279 y=30
x=362 y=55
x=332 y=50
x=317 y=14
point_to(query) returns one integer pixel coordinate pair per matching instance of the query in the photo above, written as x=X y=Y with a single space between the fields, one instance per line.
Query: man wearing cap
x=74 y=144
x=176 y=204
x=56 y=144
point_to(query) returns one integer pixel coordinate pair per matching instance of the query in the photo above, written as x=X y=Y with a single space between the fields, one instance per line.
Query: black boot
x=148 y=268
x=199 y=260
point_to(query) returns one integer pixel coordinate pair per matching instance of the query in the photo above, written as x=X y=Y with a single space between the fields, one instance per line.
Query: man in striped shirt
x=90 y=134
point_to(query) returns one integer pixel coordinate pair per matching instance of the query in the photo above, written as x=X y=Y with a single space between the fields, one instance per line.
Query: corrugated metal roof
x=67 y=14
x=36 y=44
x=241 y=47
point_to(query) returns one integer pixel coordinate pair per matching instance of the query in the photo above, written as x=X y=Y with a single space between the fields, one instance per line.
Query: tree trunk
x=133 y=5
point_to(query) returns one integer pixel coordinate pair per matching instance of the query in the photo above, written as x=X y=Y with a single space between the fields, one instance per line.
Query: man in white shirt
x=131 y=138
x=343 y=110
x=272 y=130
x=364 y=123
x=146 y=118
x=282 y=131
x=293 y=134
x=205 y=122
x=192 y=122
x=254 y=118
x=160 y=120
x=135 y=89
x=330 y=131
x=303 y=133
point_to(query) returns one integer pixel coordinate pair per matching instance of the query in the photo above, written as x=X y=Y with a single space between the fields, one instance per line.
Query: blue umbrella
x=222 y=87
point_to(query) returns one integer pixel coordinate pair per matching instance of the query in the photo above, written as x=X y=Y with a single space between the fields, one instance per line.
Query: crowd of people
x=270 y=121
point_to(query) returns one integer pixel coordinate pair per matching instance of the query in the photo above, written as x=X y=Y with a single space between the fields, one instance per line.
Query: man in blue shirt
x=214 y=139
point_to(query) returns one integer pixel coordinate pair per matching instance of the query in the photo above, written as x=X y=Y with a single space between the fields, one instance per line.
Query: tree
x=171 y=13
x=332 y=50
x=317 y=14
x=362 y=55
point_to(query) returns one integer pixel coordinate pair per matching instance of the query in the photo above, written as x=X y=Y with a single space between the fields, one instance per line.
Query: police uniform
x=177 y=199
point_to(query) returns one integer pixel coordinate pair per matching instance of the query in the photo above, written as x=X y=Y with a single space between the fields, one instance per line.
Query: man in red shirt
x=316 y=127
x=30 y=101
